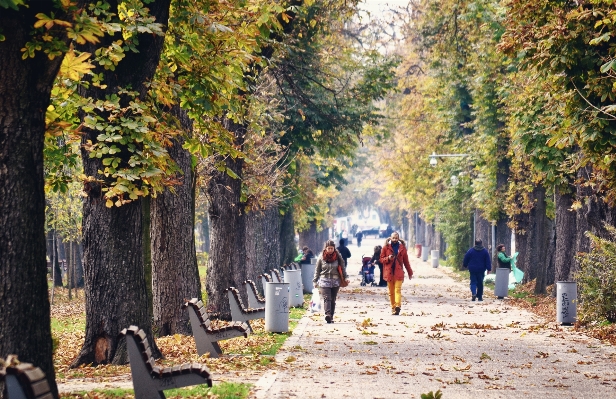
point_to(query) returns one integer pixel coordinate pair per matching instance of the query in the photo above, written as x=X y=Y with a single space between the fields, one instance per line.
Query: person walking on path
x=344 y=251
x=477 y=260
x=376 y=259
x=345 y=236
x=502 y=259
x=393 y=257
x=360 y=236
x=328 y=278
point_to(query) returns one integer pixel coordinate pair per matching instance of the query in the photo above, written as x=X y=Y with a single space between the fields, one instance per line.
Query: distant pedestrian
x=328 y=278
x=342 y=248
x=376 y=260
x=394 y=257
x=503 y=260
x=307 y=255
x=345 y=236
x=360 y=236
x=477 y=260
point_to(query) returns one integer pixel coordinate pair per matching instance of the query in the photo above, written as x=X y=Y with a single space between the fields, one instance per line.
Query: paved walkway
x=441 y=340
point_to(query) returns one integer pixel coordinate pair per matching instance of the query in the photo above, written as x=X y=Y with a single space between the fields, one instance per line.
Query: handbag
x=343 y=282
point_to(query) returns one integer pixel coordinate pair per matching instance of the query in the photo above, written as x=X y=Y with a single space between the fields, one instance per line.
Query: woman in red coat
x=393 y=257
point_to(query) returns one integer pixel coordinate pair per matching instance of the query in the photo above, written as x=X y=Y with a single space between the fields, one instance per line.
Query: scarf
x=329 y=258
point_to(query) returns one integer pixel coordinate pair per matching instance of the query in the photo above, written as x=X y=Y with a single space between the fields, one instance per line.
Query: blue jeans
x=477 y=283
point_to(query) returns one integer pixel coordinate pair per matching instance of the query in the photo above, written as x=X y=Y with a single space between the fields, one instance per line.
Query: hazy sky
x=376 y=7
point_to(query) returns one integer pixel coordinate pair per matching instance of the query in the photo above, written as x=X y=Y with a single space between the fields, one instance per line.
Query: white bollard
x=425 y=251
x=435 y=255
x=277 y=307
x=566 y=302
x=296 y=290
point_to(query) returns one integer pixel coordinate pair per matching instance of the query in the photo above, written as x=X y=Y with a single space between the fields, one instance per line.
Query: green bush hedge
x=597 y=280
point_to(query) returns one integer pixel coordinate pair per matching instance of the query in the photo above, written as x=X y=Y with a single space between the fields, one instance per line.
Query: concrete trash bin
x=566 y=302
x=501 y=282
x=307 y=276
x=313 y=261
x=277 y=307
x=435 y=257
x=296 y=289
x=425 y=251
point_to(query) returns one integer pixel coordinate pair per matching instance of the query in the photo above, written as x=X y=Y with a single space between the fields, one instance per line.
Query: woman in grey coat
x=328 y=278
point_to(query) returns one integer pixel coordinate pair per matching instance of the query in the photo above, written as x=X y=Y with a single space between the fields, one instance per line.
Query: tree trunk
x=538 y=241
x=551 y=255
x=116 y=294
x=312 y=238
x=429 y=235
x=57 y=276
x=262 y=242
x=483 y=231
x=79 y=267
x=146 y=222
x=288 y=249
x=421 y=231
x=227 y=257
x=25 y=87
x=174 y=259
x=564 y=262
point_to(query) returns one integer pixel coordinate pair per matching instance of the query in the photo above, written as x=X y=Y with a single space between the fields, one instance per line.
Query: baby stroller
x=367 y=272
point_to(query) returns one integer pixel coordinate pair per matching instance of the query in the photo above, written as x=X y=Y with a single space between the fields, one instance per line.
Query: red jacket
x=401 y=259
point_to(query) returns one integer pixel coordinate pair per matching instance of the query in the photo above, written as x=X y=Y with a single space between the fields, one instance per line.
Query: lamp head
x=433 y=161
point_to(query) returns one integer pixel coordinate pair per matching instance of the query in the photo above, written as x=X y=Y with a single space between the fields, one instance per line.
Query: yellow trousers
x=395 y=293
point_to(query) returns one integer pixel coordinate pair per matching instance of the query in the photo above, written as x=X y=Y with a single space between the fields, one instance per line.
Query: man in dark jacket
x=344 y=251
x=477 y=260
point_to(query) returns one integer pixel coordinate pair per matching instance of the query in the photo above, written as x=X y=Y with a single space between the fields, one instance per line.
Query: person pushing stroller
x=367 y=271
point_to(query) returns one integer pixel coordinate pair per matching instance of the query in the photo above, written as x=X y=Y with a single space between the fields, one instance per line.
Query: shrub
x=597 y=280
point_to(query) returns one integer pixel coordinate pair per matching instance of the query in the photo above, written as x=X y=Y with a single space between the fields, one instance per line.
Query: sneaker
x=480 y=299
x=474 y=297
x=397 y=310
x=328 y=319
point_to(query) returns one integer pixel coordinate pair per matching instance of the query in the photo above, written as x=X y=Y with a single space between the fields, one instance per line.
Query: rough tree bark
x=262 y=242
x=483 y=230
x=564 y=262
x=429 y=235
x=25 y=87
x=116 y=295
x=227 y=257
x=311 y=238
x=175 y=275
x=538 y=240
x=288 y=250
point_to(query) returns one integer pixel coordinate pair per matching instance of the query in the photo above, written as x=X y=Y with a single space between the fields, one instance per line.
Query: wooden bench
x=239 y=312
x=206 y=337
x=254 y=299
x=276 y=276
x=265 y=278
x=149 y=380
x=23 y=380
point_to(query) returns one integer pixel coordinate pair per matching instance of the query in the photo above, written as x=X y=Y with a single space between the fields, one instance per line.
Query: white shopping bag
x=315 y=301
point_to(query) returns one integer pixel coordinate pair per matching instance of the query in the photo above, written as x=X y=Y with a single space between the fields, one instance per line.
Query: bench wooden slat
x=206 y=335
x=150 y=380
x=41 y=387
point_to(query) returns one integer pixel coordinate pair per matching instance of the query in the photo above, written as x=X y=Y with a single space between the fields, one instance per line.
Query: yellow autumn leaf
x=74 y=66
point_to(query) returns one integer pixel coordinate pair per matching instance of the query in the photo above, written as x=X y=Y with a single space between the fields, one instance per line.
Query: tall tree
x=25 y=86
x=116 y=294
x=174 y=261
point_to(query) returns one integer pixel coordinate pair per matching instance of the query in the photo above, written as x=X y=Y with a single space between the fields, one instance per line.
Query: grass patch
x=224 y=390
x=71 y=324
x=279 y=339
